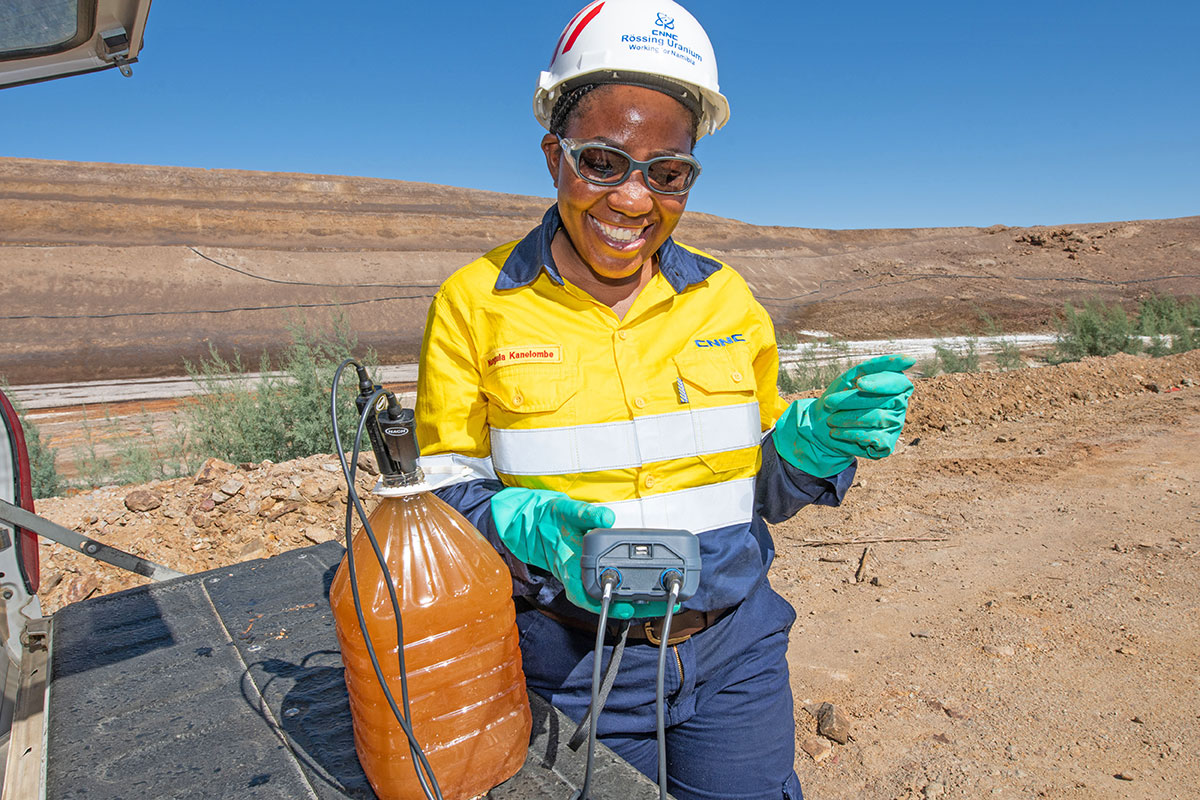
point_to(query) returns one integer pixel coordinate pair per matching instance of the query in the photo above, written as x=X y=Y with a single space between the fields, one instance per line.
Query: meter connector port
x=671 y=578
x=648 y=561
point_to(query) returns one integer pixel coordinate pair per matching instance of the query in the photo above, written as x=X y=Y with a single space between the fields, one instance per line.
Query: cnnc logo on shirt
x=737 y=337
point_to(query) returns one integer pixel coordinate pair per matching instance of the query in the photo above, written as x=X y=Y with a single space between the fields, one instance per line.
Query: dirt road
x=1047 y=646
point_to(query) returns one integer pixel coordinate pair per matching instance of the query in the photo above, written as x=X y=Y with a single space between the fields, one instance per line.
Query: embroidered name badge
x=534 y=354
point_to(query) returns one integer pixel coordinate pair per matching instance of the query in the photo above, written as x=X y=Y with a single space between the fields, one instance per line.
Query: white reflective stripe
x=446 y=464
x=621 y=445
x=699 y=509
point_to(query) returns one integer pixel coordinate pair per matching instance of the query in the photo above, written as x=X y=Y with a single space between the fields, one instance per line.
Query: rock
x=318 y=490
x=142 y=500
x=265 y=507
x=200 y=521
x=207 y=504
x=255 y=548
x=50 y=581
x=319 y=535
x=818 y=749
x=79 y=587
x=1126 y=775
x=832 y=723
x=366 y=462
x=933 y=789
x=1152 y=387
x=211 y=470
x=1127 y=651
x=280 y=510
x=998 y=650
x=921 y=635
x=231 y=487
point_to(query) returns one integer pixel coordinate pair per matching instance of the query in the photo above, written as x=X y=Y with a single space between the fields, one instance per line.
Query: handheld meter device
x=644 y=560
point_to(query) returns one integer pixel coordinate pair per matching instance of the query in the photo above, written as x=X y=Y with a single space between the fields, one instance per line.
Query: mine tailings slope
x=116 y=271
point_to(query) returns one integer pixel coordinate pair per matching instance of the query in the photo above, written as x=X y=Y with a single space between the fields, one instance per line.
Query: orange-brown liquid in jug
x=470 y=712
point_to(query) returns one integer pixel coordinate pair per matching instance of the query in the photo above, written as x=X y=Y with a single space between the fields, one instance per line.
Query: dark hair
x=570 y=102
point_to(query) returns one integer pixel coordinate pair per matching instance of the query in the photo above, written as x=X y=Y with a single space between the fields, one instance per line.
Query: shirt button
x=517 y=399
x=649 y=481
x=639 y=402
x=737 y=376
x=623 y=334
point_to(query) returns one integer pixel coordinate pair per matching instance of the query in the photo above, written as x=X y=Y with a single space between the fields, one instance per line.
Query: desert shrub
x=957 y=357
x=1008 y=353
x=1008 y=356
x=1169 y=323
x=42 y=467
x=283 y=415
x=786 y=339
x=1097 y=329
x=809 y=371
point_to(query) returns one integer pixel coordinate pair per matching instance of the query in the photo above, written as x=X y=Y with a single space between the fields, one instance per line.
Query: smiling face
x=615 y=230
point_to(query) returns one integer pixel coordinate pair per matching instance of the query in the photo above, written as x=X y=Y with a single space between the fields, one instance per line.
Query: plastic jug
x=469 y=708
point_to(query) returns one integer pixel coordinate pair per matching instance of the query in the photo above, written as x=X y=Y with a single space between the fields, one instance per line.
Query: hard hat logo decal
x=665 y=21
x=583 y=23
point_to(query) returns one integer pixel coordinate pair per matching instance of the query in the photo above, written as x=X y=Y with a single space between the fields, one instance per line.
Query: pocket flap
x=532 y=388
x=725 y=369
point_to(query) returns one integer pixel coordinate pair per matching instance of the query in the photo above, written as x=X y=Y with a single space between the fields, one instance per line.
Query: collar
x=681 y=267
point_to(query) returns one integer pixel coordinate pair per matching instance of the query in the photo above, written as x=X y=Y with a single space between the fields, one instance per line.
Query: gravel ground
x=1024 y=624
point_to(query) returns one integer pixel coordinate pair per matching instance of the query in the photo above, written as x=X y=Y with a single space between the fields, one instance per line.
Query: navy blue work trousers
x=730 y=732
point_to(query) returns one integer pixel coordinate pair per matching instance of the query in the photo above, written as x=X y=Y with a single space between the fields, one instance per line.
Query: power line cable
x=285 y=282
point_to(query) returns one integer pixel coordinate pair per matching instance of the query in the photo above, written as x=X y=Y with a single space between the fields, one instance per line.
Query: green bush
x=1008 y=356
x=957 y=358
x=42 y=467
x=1169 y=323
x=1096 y=329
x=807 y=372
x=284 y=415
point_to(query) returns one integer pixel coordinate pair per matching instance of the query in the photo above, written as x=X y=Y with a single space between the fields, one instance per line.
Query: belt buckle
x=648 y=629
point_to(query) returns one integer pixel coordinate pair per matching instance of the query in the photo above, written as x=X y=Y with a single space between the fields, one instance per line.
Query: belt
x=684 y=625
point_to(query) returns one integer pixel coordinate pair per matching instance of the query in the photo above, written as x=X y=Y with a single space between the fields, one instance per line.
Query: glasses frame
x=573 y=147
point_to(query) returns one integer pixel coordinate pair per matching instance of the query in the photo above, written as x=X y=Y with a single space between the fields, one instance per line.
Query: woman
x=596 y=373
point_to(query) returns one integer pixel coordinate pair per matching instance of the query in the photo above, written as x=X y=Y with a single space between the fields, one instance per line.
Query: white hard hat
x=654 y=43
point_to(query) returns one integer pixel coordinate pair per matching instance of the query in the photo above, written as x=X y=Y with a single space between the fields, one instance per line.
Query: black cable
x=601 y=629
x=313 y=283
x=675 y=584
x=420 y=762
x=119 y=314
x=405 y=720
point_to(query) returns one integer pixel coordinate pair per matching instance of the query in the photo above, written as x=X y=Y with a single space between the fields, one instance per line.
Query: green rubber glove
x=545 y=529
x=860 y=415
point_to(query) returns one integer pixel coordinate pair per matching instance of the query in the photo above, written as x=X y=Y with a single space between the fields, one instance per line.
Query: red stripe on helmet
x=583 y=24
x=563 y=35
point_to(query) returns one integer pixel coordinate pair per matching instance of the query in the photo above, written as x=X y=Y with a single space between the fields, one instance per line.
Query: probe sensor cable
x=675 y=584
x=429 y=784
x=609 y=580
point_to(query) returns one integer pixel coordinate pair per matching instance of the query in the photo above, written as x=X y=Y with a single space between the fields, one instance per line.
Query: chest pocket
x=518 y=390
x=721 y=394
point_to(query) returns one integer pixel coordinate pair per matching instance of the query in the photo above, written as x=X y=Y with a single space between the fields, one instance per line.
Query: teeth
x=624 y=235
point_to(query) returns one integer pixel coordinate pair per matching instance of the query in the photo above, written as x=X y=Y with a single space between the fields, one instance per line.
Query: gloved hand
x=545 y=529
x=859 y=415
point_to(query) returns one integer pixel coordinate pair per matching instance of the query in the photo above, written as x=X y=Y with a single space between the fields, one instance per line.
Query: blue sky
x=845 y=115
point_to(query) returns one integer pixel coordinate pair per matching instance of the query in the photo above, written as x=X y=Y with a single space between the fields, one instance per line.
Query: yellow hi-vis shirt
x=658 y=416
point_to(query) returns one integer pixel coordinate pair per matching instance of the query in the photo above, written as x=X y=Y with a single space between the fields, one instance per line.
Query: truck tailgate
x=228 y=684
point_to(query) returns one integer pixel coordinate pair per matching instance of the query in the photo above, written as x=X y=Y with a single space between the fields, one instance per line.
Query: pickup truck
x=223 y=684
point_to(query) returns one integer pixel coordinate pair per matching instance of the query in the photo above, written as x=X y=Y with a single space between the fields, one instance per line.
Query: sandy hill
x=116 y=270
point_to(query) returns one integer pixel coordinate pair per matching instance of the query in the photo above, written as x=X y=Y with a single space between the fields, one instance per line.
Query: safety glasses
x=605 y=165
